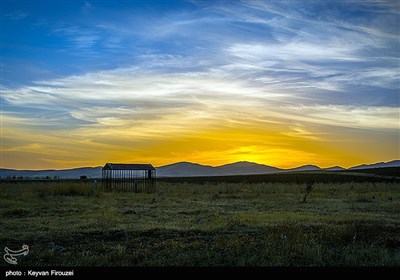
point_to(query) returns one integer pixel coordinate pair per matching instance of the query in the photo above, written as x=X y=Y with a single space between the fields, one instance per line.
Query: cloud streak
x=273 y=77
x=123 y=98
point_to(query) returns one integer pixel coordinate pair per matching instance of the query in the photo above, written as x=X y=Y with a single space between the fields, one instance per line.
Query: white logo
x=10 y=255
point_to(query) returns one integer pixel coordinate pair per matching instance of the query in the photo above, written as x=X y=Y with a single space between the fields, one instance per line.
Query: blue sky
x=80 y=75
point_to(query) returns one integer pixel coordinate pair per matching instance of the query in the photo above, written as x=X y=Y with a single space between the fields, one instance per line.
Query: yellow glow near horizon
x=206 y=120
x=200 y=83
x=272 y=144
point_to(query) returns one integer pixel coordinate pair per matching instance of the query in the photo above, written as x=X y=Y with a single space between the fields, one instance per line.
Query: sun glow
x=212 y=83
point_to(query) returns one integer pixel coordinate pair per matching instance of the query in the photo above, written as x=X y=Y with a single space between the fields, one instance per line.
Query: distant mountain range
x=394 y=163
x=184 y=169
x=187 y=169
x=75 y=173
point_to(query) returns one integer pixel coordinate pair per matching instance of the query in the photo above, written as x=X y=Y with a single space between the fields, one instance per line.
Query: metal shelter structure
x=129 y=177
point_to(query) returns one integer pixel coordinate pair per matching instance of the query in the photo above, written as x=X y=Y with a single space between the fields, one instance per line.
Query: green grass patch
x=69 y=223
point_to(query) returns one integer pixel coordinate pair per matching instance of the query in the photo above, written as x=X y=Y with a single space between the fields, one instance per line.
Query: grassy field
x=207 y=223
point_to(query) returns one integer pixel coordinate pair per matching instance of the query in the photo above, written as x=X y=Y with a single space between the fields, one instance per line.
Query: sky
x=282 y=83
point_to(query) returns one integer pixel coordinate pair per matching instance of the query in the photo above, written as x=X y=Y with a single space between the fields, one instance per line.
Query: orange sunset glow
x=211 y=83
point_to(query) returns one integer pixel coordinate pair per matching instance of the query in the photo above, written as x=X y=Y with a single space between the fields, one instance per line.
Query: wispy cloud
x=78 y=37
x=125 y=98
x=296 y=51
x=131 y=113
x=16 y=15
x=273 y=77
x=86 y=7
x=326 y=16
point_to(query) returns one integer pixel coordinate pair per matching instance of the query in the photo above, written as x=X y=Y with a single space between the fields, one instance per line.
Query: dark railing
x=129 y=180
x=129 y=184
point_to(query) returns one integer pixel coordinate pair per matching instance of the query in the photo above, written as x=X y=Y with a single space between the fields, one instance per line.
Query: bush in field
x=309 y=189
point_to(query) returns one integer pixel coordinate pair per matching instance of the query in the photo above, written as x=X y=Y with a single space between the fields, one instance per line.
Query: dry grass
x=347 y=224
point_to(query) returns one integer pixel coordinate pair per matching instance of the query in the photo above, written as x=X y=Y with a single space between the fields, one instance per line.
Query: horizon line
x=215 y=166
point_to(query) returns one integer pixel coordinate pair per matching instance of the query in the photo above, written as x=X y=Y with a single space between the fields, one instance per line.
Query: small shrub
x=309 y=189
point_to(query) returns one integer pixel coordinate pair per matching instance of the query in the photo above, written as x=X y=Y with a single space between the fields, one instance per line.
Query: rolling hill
x=393 y=163
x=188 y=169
x=75 y=173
